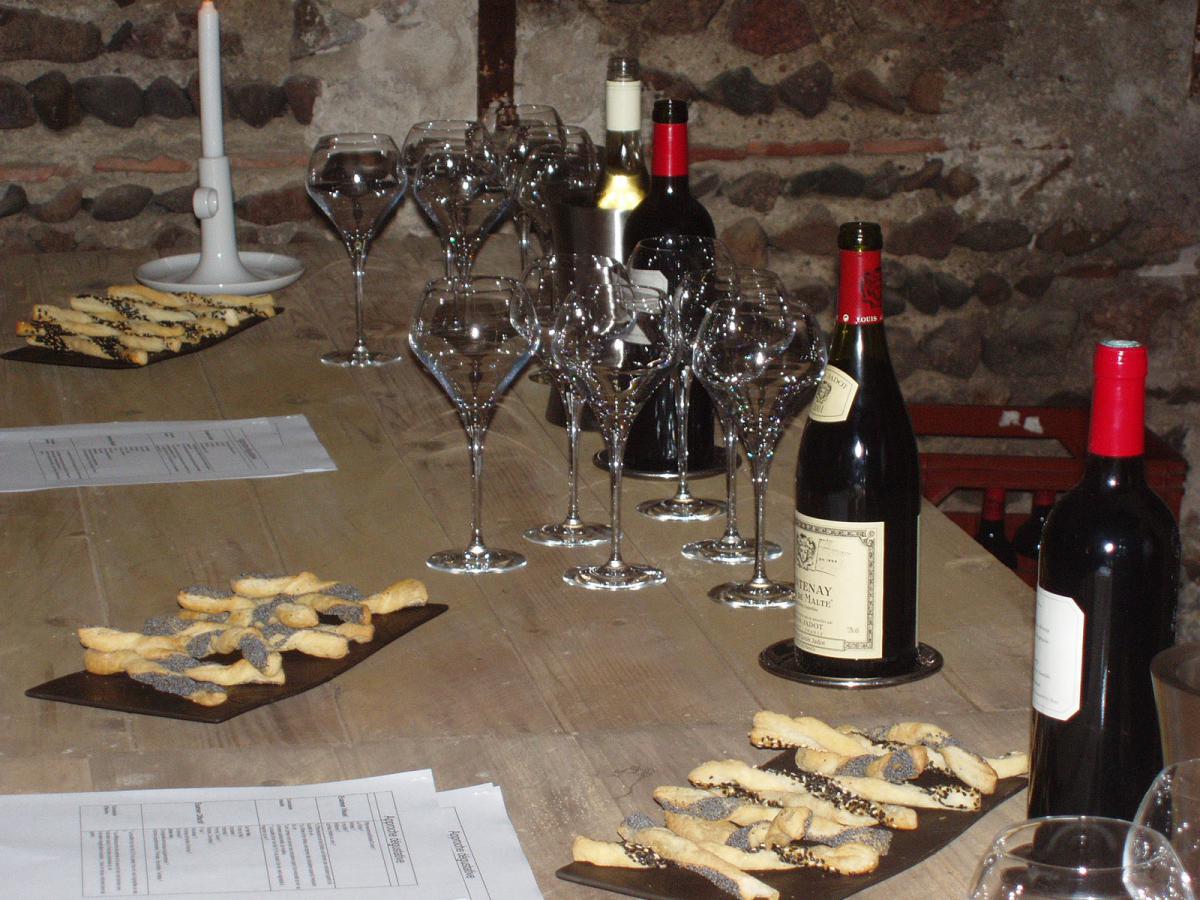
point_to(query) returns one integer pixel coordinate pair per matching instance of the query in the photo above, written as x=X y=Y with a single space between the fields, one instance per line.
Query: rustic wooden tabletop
x=577 y=704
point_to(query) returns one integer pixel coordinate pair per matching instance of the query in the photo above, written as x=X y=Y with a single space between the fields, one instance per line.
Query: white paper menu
x=34 y=459
x=384 y=837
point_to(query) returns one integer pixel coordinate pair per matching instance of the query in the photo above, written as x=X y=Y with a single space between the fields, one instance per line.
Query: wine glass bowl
x=666 y=262
x=356 y=179
x=616 y=342
x=1172 y=808
x=457 y=180
x=519 y=129
x=474 y=336
x=1080 y=858
x=554 y=173
x=761 y=356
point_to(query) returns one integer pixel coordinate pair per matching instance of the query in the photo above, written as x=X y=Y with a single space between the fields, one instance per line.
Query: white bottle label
x=650 y=278
x=1057 y=655
x=834 y=396
x=839 y=588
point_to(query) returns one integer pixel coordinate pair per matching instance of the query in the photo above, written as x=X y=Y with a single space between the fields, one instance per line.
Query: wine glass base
x=353 y=359
x=693 y=509
x=461 y=562
x=743 y=594
x=585 y=534
x=728 y=553
x=606 y=578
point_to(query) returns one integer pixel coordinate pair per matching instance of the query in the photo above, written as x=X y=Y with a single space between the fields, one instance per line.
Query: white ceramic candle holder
x=218 y=268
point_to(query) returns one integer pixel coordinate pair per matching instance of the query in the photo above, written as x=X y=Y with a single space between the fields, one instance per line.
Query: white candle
x=209 y=36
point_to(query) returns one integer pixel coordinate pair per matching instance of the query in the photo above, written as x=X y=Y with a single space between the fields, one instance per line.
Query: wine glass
x=760 y=355
x=548 y=282
x=518 y=129
x=1068 y=857
x=617 y=343
x=557 y=172
x=663 y=262
x=1172 y=808
x=474 y=336
x=357 y=181
x=456 y=178
x=698 y=293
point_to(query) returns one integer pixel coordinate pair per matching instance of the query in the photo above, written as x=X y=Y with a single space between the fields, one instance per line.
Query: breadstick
x=100 y=347
x=253 y=584
x=640 y=830
x=165 y=680
x=780 y=732
x=280 y=607
x=340 y=601
x=945 y=796
x=240 y=672
x=848 y=859
x=111 y=318
x=404 y=593
x=968 y=766
x=817 y=793
x=719 y=832
x=704 y=804
x=617 y=855
x=309 y=641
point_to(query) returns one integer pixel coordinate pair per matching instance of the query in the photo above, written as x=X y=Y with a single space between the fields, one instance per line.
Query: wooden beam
x=496 y=52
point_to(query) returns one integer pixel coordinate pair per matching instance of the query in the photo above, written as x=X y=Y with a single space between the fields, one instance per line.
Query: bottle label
x=1057 y=655
x=860 y=288
x=839 y=588
x=670 y=152
x=650 y=278
x=623 y=105
x=834 y=397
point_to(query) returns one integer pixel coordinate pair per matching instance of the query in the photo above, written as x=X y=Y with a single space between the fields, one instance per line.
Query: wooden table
x=578 y=704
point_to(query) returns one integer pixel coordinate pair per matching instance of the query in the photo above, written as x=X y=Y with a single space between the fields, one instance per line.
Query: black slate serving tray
x=303 y=673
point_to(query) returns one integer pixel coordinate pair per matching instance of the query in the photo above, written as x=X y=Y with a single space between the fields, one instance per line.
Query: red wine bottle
x=669 y=209
x=858 y=492
x=1027 y=539
x=991 y=528
x=1108 y=579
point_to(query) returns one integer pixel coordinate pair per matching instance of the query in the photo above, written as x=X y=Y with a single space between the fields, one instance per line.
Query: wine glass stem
x=728 y=429
x=358 y=261
x=682 y=382
x=616 y=464
x=521 y=223
x=574 y=407
x=475 y=442
x=451 y=267
x=760 y=469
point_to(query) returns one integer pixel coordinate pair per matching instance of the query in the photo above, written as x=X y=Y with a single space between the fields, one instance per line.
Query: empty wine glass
x=456 y=178
x=474 y=336
x=1078 y=857
x=761 y=356
x=1172 y=808
x=557 y=172
x=357 y=181
x=549 y=282
x=698 y=293
x=518 y=129
x=616 y=342
x=664 y=262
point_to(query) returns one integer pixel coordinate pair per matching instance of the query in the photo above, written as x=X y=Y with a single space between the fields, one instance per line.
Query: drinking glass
x=760 y=355
x=456 y=178
x=1069 y=857
x=663 y=262
x=517 y=130
x=549 y=282
x=617 y=343
x=698 y=293
x=357 y=181
x=1172 y=808
x=474 y=336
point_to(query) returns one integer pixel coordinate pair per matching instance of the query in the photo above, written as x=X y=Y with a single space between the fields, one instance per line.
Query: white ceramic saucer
x=272 y=271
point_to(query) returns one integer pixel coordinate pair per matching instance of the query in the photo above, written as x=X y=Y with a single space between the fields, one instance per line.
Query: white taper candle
x=209 y=39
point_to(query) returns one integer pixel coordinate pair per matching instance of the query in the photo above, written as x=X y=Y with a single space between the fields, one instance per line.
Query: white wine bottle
x=624 y=182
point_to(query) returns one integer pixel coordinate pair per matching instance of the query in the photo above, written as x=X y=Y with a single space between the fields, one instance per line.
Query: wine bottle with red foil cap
x=858 y=492
x=670 y=209
x=991 y=528
x=1027 y=539
x=1108 y=578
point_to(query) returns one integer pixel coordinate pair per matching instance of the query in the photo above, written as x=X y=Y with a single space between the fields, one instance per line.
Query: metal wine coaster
x=600 y=460
x=780 y=659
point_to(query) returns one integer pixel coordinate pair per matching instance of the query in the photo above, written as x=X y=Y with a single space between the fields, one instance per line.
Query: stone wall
x=1033 y=164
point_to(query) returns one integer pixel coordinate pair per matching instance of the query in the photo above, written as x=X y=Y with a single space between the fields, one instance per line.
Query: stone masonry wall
x=1033 y=164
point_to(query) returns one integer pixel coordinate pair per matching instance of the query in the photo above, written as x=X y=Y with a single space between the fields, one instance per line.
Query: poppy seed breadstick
x=240 y=672
x=340 y=601
x=779 y=732
x=614 y=854
x=161 y=678
x=257 y=585
x=309 y=641
x=277 y=607
x=400 y=595
x=848 y=859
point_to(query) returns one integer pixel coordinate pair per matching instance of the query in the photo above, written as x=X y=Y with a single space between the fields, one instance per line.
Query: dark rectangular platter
x=46 y=356
x=936 y=829
x=303 y=673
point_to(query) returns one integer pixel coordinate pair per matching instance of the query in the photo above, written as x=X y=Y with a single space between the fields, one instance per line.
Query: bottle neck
x=623 y=151
x=670 y=162
x=860 y=288
x=1114 y=473
x=623 y=106
x=993 y=505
